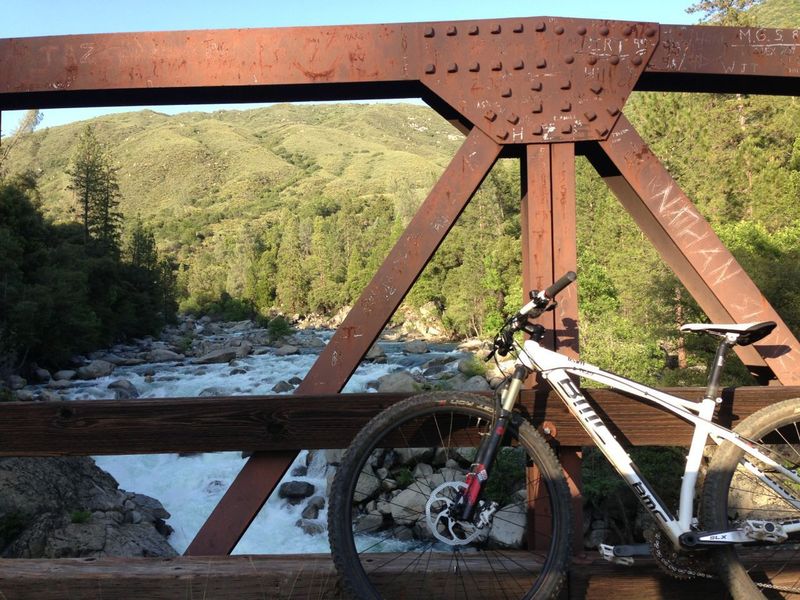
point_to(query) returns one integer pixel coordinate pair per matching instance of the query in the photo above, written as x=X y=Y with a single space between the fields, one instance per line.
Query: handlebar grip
x=559 y=285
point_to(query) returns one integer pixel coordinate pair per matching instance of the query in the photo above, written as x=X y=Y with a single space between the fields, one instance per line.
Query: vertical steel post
x=548 y=216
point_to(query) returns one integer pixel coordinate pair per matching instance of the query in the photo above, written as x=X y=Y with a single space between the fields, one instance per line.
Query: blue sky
x=24 y=18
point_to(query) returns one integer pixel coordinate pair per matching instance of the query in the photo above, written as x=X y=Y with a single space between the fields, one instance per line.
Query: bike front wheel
x=391 y=532
x=742 y=492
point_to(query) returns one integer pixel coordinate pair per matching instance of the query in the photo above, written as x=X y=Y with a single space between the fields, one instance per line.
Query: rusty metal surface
x=541 y=79
x=727 y=51
x=689 y=245
x=520 y=80
x=362 y=326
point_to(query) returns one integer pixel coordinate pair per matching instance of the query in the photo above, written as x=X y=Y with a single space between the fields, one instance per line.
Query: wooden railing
x=286 y=423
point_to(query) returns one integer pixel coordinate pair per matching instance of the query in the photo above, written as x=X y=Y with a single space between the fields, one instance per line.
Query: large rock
x=409 y=505
x=223 y=355
x=295 y=491
x=15 y=382
x=123 y=389
x=508 y=526
x=59 y=507
x=163 y=355
x=64 y=375
x=398 y=382
x=415 y=347
x=375 y=353
x=95 y=369
x=287 y=350
x=474 y=384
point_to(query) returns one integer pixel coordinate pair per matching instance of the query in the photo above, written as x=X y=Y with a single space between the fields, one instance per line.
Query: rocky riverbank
x=68 y=507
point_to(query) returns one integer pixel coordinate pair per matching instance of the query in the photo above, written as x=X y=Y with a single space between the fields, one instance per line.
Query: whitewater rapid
x=190 y=487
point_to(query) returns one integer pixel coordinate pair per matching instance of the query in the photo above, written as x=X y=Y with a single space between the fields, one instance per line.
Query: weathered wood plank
x=300 y=576
x=272 y=423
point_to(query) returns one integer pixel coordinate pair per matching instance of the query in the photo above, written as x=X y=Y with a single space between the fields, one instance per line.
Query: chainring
x=680 y=564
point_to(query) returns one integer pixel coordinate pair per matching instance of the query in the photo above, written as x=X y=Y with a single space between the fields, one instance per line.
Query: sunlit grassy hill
x=187 y=174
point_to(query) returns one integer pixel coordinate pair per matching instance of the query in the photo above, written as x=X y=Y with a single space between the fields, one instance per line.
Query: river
x=190 y=486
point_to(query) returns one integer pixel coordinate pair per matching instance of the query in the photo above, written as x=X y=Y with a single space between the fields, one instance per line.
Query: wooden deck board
x=297 y=577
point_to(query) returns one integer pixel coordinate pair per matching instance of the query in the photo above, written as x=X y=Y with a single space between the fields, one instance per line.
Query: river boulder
x=222 y=355
x=95 y=369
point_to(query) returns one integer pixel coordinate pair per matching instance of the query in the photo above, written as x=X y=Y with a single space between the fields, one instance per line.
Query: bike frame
x=556 y=368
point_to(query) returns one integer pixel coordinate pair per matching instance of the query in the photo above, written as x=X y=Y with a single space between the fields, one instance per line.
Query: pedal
x=623 y=555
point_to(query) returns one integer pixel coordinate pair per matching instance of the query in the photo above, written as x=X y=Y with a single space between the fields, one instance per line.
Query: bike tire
x=381 y=539
x=731 y=494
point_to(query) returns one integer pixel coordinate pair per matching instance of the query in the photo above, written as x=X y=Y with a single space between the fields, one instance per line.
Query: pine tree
x=93 y=179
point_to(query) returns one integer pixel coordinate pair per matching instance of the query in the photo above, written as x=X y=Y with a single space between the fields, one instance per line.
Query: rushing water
x=189 y=487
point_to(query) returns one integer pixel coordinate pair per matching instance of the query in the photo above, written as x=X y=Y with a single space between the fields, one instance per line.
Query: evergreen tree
x=94 y=181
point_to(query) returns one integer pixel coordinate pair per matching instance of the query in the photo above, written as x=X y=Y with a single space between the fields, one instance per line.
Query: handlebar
x=559 y=285
x=540 y=302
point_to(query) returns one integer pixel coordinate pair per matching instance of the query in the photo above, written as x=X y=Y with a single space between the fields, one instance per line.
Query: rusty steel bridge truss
x=540 y=89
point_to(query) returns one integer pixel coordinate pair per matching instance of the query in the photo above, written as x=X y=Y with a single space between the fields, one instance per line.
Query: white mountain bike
x=451 y=495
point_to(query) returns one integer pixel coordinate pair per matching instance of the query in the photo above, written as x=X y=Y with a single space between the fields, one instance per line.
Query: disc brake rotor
x=442 y=525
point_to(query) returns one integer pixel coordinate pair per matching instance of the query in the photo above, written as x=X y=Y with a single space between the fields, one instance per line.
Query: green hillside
x=202 y=169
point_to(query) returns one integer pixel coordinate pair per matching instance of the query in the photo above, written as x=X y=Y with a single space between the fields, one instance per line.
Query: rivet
x=541 y=63
x=496 y=29
x=519 y=65
x=497 y=66
x=490 y=115
x=596 y=88
x=566 y=107
x=613 y=111
x=627 y=30
x=473 y=30
x=475 y=67
x=537 y=130
x=602 y=132
x=569 y=59
x=637 y=60
x=452 y=68
x=536 y=86
x=566 y=84
x=537 y=107
x=506 y=93
x=559 y=30
x=429 y=32
x=430 y=69
x=592 y=60
x=540 y=26
x=518 y=28
x=512 y=118
x=452 y=30
x=567 y=128
x=650 y=31
x=614 y=59
x=502 y=136
x=581 y=30
x=590 y=116
x=604 y=30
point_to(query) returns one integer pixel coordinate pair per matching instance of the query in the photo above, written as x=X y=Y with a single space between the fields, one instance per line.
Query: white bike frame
x=555 y=368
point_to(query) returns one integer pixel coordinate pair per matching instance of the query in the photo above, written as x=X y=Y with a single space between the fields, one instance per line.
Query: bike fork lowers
x=479 y=473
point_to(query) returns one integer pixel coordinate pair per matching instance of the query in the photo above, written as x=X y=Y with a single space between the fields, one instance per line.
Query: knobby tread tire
x=714 y=507
x=352 y=576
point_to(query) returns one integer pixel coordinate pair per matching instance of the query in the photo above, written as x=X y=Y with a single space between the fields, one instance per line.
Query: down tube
x=580 y=408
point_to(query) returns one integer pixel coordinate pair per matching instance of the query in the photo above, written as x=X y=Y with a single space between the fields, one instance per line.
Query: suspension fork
x=487 y=451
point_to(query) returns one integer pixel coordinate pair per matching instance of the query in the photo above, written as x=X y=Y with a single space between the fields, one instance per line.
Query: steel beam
x=725 y=59
x=694 y=252
x=362 y=326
